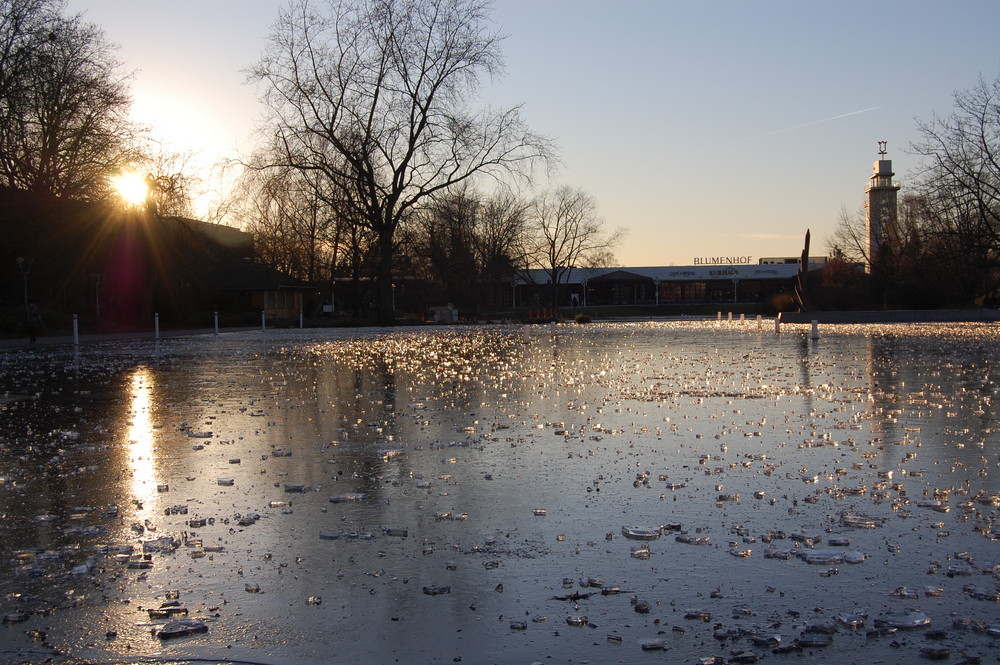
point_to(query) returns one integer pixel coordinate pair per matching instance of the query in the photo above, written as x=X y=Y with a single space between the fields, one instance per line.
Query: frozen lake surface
x=616 y=493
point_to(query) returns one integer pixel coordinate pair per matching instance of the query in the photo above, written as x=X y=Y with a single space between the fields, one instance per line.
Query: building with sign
x=670 y=285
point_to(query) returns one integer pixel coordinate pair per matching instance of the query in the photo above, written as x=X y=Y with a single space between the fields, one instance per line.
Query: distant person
x=33 y=322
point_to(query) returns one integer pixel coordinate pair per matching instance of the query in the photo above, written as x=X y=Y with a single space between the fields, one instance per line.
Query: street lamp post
x=97 y=294
x=25 y=267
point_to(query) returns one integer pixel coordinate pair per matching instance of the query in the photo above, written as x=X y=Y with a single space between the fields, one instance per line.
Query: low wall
x=894 y=316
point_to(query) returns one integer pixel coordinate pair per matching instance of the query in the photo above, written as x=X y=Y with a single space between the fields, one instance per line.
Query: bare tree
x=374 y=95
x=959 y=256
x=502 y=225
x=25 y=25
x=289 y=221
x=300 y=225
x=849 y=240
x=962 y=154
x=170 y=176
x=564 y=233
x=959 y=188
x=64 y=102
x=444 y=240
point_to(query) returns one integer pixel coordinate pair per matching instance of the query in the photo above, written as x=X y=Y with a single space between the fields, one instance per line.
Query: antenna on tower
x=882 y=148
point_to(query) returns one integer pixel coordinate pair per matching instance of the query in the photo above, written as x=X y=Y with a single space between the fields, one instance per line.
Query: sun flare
x=131 y=187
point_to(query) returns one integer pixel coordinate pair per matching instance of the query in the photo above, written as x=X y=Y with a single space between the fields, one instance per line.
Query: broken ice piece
x=640 y=533
x=182 y=627
x=904 y=620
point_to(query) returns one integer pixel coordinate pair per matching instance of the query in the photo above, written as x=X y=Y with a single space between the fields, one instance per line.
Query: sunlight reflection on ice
x=141 y=437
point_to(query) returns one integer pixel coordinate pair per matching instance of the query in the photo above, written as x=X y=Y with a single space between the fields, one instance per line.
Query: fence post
x=76 y=330
x=215 y=316
x=156 y=325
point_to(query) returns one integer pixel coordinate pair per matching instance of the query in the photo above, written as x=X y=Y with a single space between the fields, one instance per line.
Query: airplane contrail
x=794 y=127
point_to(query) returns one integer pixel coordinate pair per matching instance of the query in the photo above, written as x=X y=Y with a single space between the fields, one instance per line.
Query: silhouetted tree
x=289 y=220
x=502 y=224
x=849 y=240
x=959 y=183
x=170 y=176
x=564 y=232
x=443 y=238
x=962 y=155
x=463 y=246
x=899 y=270
x=375 y=96
x=959 y=258
x=64 y=102
x=302 y=227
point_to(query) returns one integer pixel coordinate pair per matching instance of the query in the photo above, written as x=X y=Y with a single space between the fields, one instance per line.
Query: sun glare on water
x=131 y=187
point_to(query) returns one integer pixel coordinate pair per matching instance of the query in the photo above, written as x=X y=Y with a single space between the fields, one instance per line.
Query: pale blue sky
x=704 y=128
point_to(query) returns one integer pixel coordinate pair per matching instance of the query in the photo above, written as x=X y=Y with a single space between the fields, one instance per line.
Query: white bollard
x=526 y=334
x=730 y=317
x=156 y=325
x=300 y=320
x=262 y=324
x=215 y=316
x=777 y=325
x=760 y=322
x=76 y=330
x=743 y=319
x=815 y=329
x=719 y=317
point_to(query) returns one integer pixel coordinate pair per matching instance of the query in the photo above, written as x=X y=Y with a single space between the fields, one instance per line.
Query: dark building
x=670 y=285
x=114 y=267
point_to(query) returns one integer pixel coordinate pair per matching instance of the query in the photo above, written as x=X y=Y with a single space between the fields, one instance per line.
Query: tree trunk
x=554 y=291
x=386 y=313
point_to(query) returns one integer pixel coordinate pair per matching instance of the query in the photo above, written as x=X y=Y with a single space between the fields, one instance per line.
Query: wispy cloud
x=767 y=236
x=800 y=126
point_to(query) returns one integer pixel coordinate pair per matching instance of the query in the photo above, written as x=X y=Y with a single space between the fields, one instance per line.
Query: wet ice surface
x=493 y=494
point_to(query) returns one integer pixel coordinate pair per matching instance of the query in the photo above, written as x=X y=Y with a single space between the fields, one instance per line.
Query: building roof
x=620 y=276
x=245 y=275
x=699 y=273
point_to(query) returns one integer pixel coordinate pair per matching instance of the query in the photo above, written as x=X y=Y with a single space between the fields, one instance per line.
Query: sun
x=131 y=187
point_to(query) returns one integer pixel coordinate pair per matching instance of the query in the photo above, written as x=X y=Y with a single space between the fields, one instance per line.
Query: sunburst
x=132 y=187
